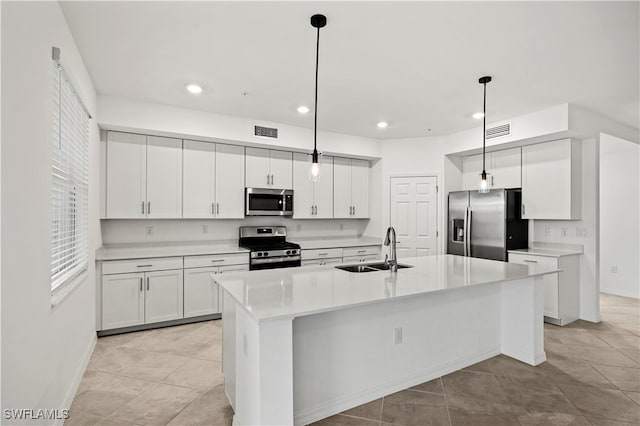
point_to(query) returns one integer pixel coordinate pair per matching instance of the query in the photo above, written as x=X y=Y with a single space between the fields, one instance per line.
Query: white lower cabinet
x=163 y=296
x=562 y=290
x=201 y=295
x=361 y=254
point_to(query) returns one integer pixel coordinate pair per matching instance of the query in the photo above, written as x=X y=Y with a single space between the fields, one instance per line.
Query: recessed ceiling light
x=382 y=124
x=194 y=88
x=303 y=109
x=478 y=115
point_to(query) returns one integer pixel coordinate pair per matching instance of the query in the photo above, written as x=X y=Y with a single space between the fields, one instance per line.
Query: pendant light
x=317 y=21
x=484 y=184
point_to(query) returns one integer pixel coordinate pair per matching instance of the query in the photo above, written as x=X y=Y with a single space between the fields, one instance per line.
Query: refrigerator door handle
x=467 y=237
x=464 y=230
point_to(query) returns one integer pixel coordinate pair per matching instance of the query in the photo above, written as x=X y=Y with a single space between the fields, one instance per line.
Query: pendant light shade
x=484 y=184
x=317 y=21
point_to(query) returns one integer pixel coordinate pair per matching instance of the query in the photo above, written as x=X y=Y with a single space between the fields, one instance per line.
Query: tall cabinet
x=144 y=176
x=351 y=188
x=213 y=182
x=313 y=199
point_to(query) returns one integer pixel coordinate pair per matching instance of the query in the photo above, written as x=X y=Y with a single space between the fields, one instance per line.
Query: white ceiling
x=413 y=64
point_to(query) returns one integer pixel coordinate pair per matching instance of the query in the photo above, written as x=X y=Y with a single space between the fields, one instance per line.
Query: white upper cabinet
x=551 y=180
x=312 y=199
x=164 y=177
x=144 y=176
x=350 y=188
x=126 y=175
x=506 y=166
x=503 y=167
x=266 y=168
x=213 y=180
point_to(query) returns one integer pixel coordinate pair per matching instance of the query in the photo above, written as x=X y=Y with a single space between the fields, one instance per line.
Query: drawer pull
x=530 y=261
x=323 y=254
x=217 y=260
x=144 y=266
x=362 y=251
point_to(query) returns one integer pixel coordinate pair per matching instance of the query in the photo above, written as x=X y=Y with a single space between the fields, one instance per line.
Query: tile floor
x=172 y=376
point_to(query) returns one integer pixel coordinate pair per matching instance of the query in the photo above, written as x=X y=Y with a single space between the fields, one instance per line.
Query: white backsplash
x=125 y=231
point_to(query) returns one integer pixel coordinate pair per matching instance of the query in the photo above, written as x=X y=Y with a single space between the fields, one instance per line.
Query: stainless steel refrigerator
x=486 y=225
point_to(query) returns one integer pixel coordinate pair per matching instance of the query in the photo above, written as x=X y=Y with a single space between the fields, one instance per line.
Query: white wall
x=43 y=348
x=619 y=213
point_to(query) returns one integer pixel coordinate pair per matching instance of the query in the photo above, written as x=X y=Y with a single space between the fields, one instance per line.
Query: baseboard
x=616 y=292
x=339 y=405
x=77 y=377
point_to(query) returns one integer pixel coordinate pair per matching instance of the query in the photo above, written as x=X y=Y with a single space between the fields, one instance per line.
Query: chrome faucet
x=390 y=240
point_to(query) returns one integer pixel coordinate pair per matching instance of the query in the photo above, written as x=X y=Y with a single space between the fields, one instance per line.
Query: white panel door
x=229 y=182
x=471 y=170
x=506 y=167
x=303 y=187
x=323 y=190
x=413 y=215
x=126 y=175
x=257 y=174
x=163 y=299
x=198 y=160
x=546 y=180
x=281 y=169
x=201 y=296
x=122 y=300
x=164 y=177
x=360 y=188
x=342 y=206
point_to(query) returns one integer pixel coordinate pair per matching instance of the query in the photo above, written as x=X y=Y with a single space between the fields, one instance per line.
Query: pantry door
x=413 y=214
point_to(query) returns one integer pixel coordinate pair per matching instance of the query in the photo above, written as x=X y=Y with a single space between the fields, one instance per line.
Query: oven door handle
x=262 y=261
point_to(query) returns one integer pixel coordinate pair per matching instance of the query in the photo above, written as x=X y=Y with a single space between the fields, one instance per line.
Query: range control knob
x=259 y=254
x=289 y=252
x=265 y=253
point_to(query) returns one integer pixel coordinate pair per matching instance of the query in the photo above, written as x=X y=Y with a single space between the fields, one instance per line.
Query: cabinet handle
x=323 y=254
x=143 y=207
x=217 y=260
x=148 y=207
x=530 y=261
x=140 y=283
x=316 y=210
x=354 y=210
x=363 y=251
x=217 y=208
x=523 y=213
x=144 y=266
x=212 y=210
x=492 y=181
x=147 y=283
x=311 y=210
x=271 y=179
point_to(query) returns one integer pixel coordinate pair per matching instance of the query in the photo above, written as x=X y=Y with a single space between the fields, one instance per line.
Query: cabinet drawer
x=361 y=251
x=329 y=261
x=141 y=265
x=321 y=253
x=357 y=259
x=216 y=260
x=530 y=259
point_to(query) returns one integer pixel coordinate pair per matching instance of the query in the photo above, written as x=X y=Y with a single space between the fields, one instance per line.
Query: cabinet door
x=198 y=160
x=163 y=296
x=546 y=180
x=472 y=169
x=126 y=175
x=303 y=199
x=281 y=168
x=122 y=300
x=257 y=174
x=229 y=181
x=360 y=188
x=323 y=190
x=200 y=292
x=506 y=167
x=164 y=177
x=342 y=207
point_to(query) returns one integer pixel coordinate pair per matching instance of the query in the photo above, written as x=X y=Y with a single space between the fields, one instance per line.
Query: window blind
x=70 y=182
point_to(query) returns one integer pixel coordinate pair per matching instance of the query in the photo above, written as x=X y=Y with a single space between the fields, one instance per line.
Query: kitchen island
x=301 y=344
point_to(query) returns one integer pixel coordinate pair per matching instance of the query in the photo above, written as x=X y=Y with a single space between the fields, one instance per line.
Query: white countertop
x=551 y=250
x=294 y=292
x=323 y=243
x=193 y=248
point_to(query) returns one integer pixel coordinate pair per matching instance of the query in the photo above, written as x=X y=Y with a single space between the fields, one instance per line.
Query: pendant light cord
x=315 y=106
x=484 y=126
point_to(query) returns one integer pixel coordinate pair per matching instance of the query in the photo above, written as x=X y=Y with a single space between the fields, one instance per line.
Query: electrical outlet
x=547 y=231
x=342 y=226
x=149 y=231
x=398 y=335
x=298 y=227
x=614 y=269
x=205 y=229
x=581 y=232
x=564 y=232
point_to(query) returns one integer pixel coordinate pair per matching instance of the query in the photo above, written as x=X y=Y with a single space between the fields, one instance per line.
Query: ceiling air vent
x=499 y=131
x=265 y=132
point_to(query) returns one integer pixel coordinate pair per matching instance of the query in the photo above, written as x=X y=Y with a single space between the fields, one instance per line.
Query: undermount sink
x=369 y=267
x=381 y=266
x=357 y=268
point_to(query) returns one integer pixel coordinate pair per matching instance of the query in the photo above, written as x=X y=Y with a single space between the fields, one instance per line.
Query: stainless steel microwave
x=268 y=202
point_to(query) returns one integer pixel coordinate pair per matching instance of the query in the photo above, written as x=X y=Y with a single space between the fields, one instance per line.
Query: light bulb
x=484 y=185
x=315 y=170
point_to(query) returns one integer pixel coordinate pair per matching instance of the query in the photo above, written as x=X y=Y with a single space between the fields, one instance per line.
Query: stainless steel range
x=269 y=247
